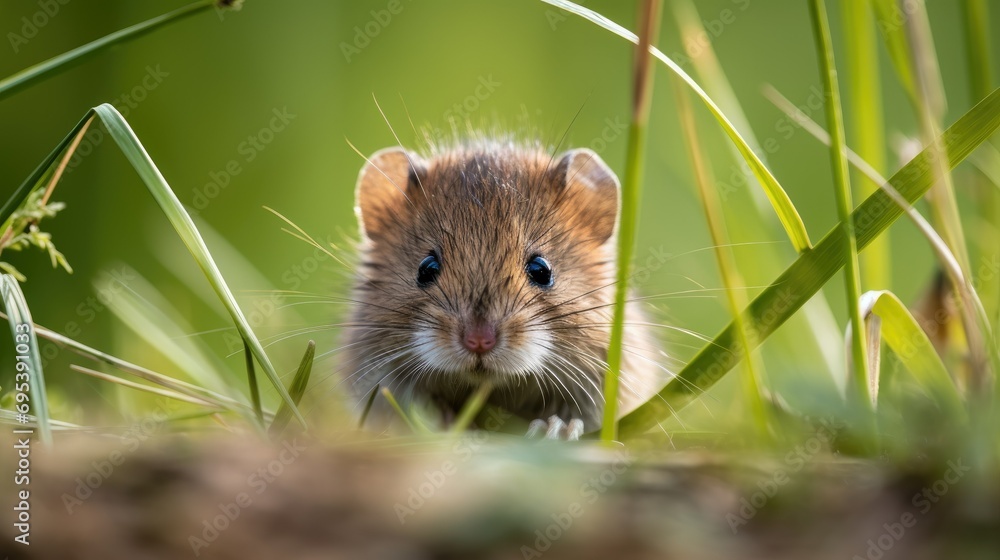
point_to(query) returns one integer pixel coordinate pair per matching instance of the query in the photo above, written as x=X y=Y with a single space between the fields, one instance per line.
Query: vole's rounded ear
x=383 y=191
x=593 y=191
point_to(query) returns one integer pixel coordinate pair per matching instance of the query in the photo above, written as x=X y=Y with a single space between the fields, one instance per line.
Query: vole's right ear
x=383 y=192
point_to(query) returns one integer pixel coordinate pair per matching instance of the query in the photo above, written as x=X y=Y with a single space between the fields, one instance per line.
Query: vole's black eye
x=428 y=270
x=539 y=272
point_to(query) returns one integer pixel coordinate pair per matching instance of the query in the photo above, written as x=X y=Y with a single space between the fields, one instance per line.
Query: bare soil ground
x=486 y=497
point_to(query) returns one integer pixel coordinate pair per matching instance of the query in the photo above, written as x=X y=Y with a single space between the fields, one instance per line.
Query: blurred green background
x=204 y=94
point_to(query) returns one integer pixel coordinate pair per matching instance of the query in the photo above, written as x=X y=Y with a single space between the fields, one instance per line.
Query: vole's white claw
x=556 y=429
x=535 y=428
x=574 y=430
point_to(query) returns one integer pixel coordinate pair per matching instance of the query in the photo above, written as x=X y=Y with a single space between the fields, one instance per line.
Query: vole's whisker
x=722 y=246
x=203 y=333
x=541 y=391
x=375 y=362
x=380 y=382
x=383 y=327
x=289 y=293
x=568 y=393
x=698 y=291
x=626 y=379
x=571 y=300
x=378 y=361
x=571 y=370
x=674 y=377
x=313 y=302
x=410 y=369
x=561 y=365
x=582 y=374
x=669 y=359
x=673 y=412
x=394 y=373
x=390 y=354
x=587 y=326
x=376 y=306
x=275 y=339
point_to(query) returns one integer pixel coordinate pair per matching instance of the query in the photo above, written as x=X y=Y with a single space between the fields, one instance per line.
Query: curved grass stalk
x=800 y=281
x=816 y=313
x=976 y=18
x=299 y=384
x=69 y=59
x=736 y=296
x=22 y=331
x=864 y=93
x=913 y=53
x=783 y=206
x=903 y=335
x=974 y=313
x=175 y=212
x=220 y=401
x=842 y=184
x=140 y=387
x=471 y=408
x=642 y=92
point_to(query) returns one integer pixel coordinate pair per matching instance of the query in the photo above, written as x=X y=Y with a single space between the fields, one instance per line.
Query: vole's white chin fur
x=448 y=356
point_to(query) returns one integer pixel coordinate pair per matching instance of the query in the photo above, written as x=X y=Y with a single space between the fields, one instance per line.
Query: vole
x=492 y=261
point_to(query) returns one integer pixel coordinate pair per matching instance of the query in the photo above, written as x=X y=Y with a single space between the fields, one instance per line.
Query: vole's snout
x=479 y=337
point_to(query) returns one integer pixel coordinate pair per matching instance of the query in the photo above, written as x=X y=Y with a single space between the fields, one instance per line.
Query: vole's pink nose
x=480 y=338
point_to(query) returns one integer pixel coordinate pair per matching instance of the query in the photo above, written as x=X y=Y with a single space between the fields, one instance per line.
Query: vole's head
x=488 y=262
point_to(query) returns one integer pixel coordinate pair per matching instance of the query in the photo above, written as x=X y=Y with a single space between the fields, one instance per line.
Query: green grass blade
x=911 y=45
x=642 y=92
x=151 y=316
x=178 y=217
x=894 y=35
x=930 y=109
x=903 y=335
x=731 y=280
x=9 y=417
x=387 y=394
x=817 y=314
x=39 y=174
x=471 y=408
x=842 y=184
x=165 y=198
x=987 y=161
x=67 y=60
x=252 y=381
x=977 y=37
x=979 y=334
x=299 y=384
x=865 y=123
x=772 y=307
x=368 y=406
x=140 y=387
x=705 y=62
x=976 y=18
x=22 y=330
x=176 y=385
x=930 y=105
x=783 y=206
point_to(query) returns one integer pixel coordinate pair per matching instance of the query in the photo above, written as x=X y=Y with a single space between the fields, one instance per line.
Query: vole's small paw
x=555 y=428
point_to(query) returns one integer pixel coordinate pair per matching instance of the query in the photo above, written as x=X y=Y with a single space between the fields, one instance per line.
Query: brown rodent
x=493 y=262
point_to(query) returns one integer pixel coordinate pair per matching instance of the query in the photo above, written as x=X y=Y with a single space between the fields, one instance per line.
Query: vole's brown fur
x=485 y=209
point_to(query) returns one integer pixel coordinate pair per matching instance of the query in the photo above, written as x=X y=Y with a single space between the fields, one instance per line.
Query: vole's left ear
x=592 y=190
x=384 y=190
